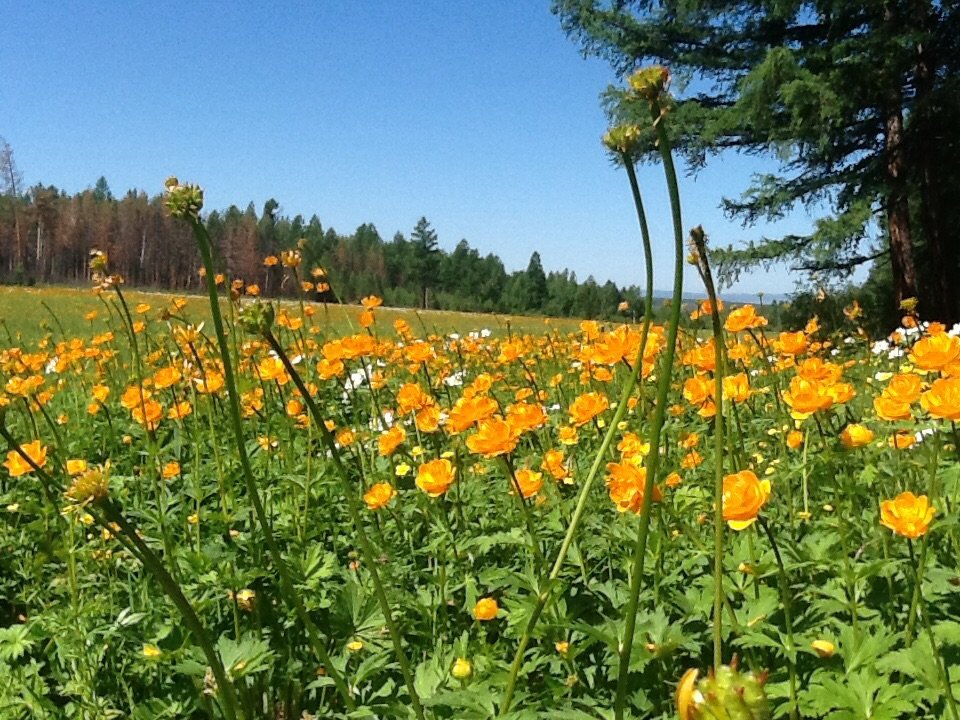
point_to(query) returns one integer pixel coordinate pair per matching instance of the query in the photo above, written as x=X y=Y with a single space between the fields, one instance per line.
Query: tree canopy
x=859 y=101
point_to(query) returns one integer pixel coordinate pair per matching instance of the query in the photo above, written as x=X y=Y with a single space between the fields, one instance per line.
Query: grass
x=27 y=314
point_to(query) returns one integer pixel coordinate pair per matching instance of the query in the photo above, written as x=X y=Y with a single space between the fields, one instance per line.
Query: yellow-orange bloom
x=555 y=464
x=529 y=482
x=379 y=495
x=411 y=398
x=890 y=409
x=626 y=483
x=586 y=407
x=495 y=437
x=904 y=388
x=744 y=318
x=935 y=352
x=856 y=436
x=743 y=497
x=791 y=343
x=907 y=515
x=486 y=609
x=794 y=439
x=942 y=400
x=525 y=417
x=435 y=477
x=17 y=465
x=806 y=397
x=389 y=441
x=736 y=388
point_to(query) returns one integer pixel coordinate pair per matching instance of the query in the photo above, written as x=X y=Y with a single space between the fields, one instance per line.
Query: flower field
x=246 y=510
x=464 y=460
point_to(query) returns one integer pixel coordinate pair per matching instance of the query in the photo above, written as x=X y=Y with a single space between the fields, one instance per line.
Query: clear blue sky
x=481 y=115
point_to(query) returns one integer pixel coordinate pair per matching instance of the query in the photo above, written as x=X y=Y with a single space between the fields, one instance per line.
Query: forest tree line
x=47 y=235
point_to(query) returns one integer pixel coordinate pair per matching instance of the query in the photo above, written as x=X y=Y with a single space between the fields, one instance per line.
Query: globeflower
x=529 y=482
x=942 y=400
x=435 y=477
x=744 y=318
x=16 y=465
x=379 y=495
x=626 y=483
x=743 y=497
x=856 y=436
x=935 y=352
x=494 y=437
x=586 y=407
x=486 y=609
x=907 y=515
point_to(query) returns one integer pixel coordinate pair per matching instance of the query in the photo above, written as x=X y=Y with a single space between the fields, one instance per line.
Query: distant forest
x=46 y=236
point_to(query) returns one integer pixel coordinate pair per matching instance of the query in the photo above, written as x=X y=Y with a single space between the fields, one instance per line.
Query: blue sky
x=481 y=115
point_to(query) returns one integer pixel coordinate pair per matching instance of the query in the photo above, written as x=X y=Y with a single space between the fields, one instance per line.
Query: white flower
x=485 y=333
x=52 y=365
x=895 y=353
x=455 y=380
x=880 y=347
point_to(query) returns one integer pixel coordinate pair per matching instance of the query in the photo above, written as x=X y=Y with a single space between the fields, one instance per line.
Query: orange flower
x=907 y=515
x=791 y=343
x=901 y=440
x=411 y=397
x=805 y=397
x=171 y=470
x=794 y=439
x=379 y=495
x=166 y=377
x=891 y=409
x=486 y=609
x=428 y=419
x=935 y=352
x=271 y=368
x=149 y=414
x=210 y=383
x=371 y=301
x=468 y=411
x=555 y=464
x=495 y=437
x=904 y=388
x=366 y=318
x=736 y=388
x=389 y=441
x=586 y=407
x=626 y=483
x=435 y=477
x=525 y=417
x=856 y=436
x=942 y=400
x=744 y=318
x=530 y=482
x=743 y=496
x=17 y=466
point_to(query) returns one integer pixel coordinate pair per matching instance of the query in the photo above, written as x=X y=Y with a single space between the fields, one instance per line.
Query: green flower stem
x=546 y=590
x=942 y=668
x=663 y=388
x=786 y=599
x=525 y=510
x=289 y=591
x=142 y=552
x=703 y=265
x=170 y=586
x=353 y=507
x=919 y=568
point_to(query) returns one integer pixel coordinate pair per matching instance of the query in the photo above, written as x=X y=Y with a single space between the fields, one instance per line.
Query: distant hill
x=736 y=298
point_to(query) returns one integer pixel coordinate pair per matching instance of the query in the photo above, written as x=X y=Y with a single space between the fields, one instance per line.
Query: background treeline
x=46 y=236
